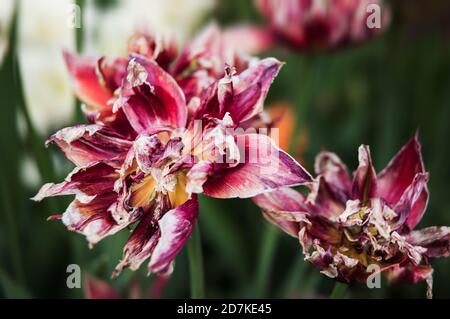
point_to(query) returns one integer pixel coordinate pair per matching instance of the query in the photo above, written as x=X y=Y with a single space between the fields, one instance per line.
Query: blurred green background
x=378 y=94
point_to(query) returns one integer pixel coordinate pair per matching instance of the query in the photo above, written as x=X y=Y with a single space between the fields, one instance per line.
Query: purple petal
x=365 y=178
x=84 y=182
x=263 y=167
x=85 y=144
x=335 y=173
x=284 y=208
x=435 y=239
x=151 y=97
x=413 y=202
x=175 y=228
x=243 y=95
x=400 y=172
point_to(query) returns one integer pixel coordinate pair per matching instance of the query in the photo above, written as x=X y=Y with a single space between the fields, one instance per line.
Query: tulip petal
x=284 y=208
x=365 y=178
x=245 y=93
x=435 y=239
x=151 y=97
x=400 y=172
x=326 y=202
x=411 y=206
x=175 y=228
x=85 y=144
x=266 y=168
x=335 y=173
x=95 y=219
x=86 y=82
x=84 y=182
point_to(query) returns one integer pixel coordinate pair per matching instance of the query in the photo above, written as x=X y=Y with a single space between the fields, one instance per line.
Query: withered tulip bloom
x=348 y=223
x=148 y=173
x=323 y=24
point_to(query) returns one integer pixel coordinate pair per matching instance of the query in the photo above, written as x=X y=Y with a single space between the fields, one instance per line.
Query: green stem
x=196 y=264
x=270 y=240
x=338 y=290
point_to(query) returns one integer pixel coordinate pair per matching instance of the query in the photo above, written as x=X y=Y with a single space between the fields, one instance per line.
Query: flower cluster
x=162 y=129
x=323 y=24
x=347 y=224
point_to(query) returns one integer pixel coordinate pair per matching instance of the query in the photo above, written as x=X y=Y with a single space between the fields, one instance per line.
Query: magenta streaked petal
x=284 y=208
x=197 y=176
x=411 y=206
x=175 y=228
x=435 y=239
x=335 y=173
x=140 y=245
x=95 y=219
x=410 y=274
x=84 y=182
x=400 y=171
x=151 y=97
x=325 y=201
x=365 y=178
x=86 y=82
x=243 y=95
x=263 y=167
x=85 y=144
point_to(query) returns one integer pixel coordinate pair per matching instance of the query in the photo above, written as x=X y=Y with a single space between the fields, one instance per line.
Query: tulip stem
x=338 y=290
x=268 y=247
x=196 y=264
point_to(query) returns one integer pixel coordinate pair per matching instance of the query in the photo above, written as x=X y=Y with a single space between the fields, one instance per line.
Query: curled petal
x=325 y=201
x=365 y=178
x=243 y=95
x=411 y=206
x=335 y=173
x=197 y=176
x=85 y=144
x=160 y=241
x=263 y=167
x=400 y=171
x=86 y=82
x=151 y=97
x=284 y=208
x=435 y=239
x=175 y=228
x=84 y=182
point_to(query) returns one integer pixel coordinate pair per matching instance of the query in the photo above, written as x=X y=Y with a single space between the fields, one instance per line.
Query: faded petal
x=435 y=239
x=365 y=178
x=400 y=172
x=284 y=208
x=243 y=95
x=151 y=97
x=263 y=167
x=411 y=206
x=84 y=182
x=85 y=144
x=175 y=228
x=335 y=173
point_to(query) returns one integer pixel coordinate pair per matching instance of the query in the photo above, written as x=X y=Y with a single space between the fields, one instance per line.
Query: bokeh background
x=378 y=93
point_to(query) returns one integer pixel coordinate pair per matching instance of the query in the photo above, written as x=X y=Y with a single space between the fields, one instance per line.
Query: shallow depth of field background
x=378 y=94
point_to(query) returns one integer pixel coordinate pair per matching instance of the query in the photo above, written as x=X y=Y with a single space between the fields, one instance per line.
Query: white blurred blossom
x=43 y=33
x=110 y=29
